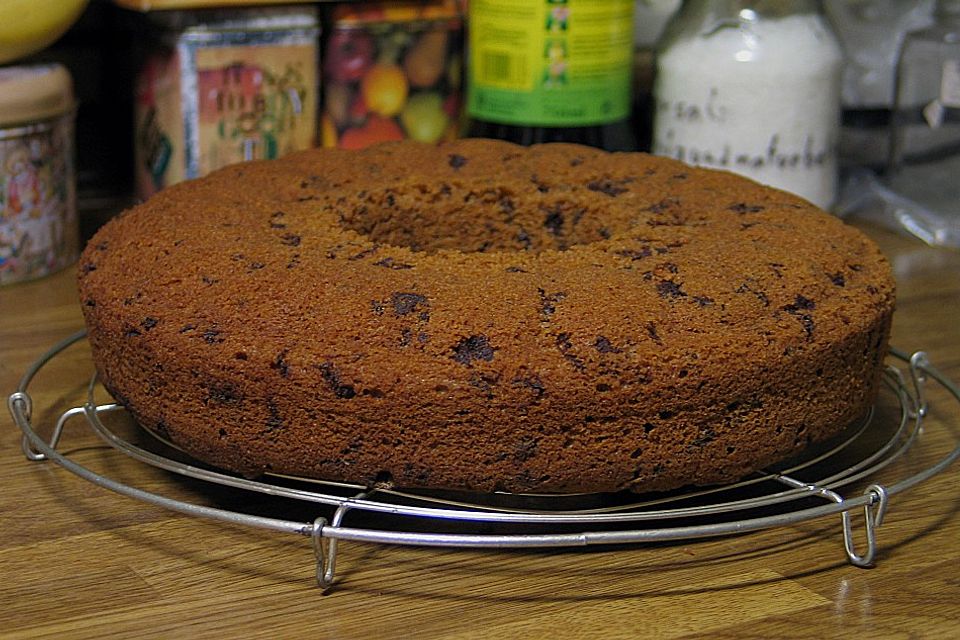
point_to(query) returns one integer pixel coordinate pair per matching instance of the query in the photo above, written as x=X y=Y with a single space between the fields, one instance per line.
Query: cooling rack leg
x=873 y=513
x=918 y=365
x=873 y=516
x=21 y=408
x=325 y=552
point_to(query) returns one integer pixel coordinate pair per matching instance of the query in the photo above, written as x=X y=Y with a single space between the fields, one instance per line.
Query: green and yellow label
x=550 y=62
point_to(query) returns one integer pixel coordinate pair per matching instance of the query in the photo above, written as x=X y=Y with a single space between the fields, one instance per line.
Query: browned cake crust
x=487 y=317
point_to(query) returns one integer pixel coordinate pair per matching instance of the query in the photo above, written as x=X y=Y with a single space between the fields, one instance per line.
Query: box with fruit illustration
x=224 y=86
x=392 y=71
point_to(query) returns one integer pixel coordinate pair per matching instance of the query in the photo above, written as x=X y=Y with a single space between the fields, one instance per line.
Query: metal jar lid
x=31 y=93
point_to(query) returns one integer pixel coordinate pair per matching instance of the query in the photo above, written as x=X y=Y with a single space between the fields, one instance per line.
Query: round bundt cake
x=483 y=316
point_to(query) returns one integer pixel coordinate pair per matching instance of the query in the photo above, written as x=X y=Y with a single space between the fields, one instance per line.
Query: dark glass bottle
x=551 y=71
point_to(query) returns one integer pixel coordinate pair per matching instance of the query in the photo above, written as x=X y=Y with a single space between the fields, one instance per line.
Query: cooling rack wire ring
x=392 y=505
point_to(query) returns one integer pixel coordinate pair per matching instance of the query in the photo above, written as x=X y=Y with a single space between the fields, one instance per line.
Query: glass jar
x=925 y=145
x=871 y=33
x=752 y=87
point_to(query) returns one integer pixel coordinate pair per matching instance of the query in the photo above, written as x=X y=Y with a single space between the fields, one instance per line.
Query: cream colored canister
x=38 y=212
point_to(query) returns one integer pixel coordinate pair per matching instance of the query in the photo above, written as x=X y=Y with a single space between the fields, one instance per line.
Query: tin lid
x=30 y=93
x=397 y=11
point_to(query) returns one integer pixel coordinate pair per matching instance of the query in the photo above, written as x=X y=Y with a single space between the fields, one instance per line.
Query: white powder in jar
x=761 y=99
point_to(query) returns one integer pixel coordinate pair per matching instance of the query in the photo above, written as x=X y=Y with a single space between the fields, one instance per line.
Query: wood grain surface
x=78 y=561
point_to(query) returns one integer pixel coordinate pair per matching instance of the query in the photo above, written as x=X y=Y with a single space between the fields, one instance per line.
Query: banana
x=30 y=25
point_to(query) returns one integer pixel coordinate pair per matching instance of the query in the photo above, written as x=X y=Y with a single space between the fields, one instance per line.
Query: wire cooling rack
x=802 y=489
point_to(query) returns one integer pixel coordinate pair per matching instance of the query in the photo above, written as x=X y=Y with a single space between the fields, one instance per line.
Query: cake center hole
x=478 y=219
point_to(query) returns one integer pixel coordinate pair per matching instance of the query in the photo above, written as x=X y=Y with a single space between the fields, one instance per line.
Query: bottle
x=925 y=140
x=551 y=71
x=753 y=87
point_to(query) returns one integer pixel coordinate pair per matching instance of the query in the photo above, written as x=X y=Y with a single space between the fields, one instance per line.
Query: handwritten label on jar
x=796 y=152
x=771 y=113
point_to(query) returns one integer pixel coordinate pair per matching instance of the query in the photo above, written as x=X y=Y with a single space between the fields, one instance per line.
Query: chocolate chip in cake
x=743 y=207
x=532 y=382
x=281 y=365
x=524 y=239
x=224 y=393
x=542 y=187
x=607 y=186
x=456 y=160
x=485 y=382
x=838 y=279
x=652 y=332
x=332 y=377
x=212 y=336
x=566 y=346
x=87 y=267
x=472 y=348
x=548 y=302
x=383 y=479
x=603 y=345
x=274 y=418
x=760 y=295
x=364 y=253
x=390 y=263
x=553 y=221
x=149 y=323
x=663 y=205
x=670 y=289
x=525 y=449
x=406 y=303
x=705 y=437
x=290 y=239
x=275 y=222
x=635 y=254
x=800 y=303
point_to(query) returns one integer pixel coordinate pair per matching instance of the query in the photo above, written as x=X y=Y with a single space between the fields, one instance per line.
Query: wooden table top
x=80 y=561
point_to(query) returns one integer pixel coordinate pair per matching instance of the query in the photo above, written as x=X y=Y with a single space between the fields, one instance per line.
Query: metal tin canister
x=222 y=87
x=39 y=233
